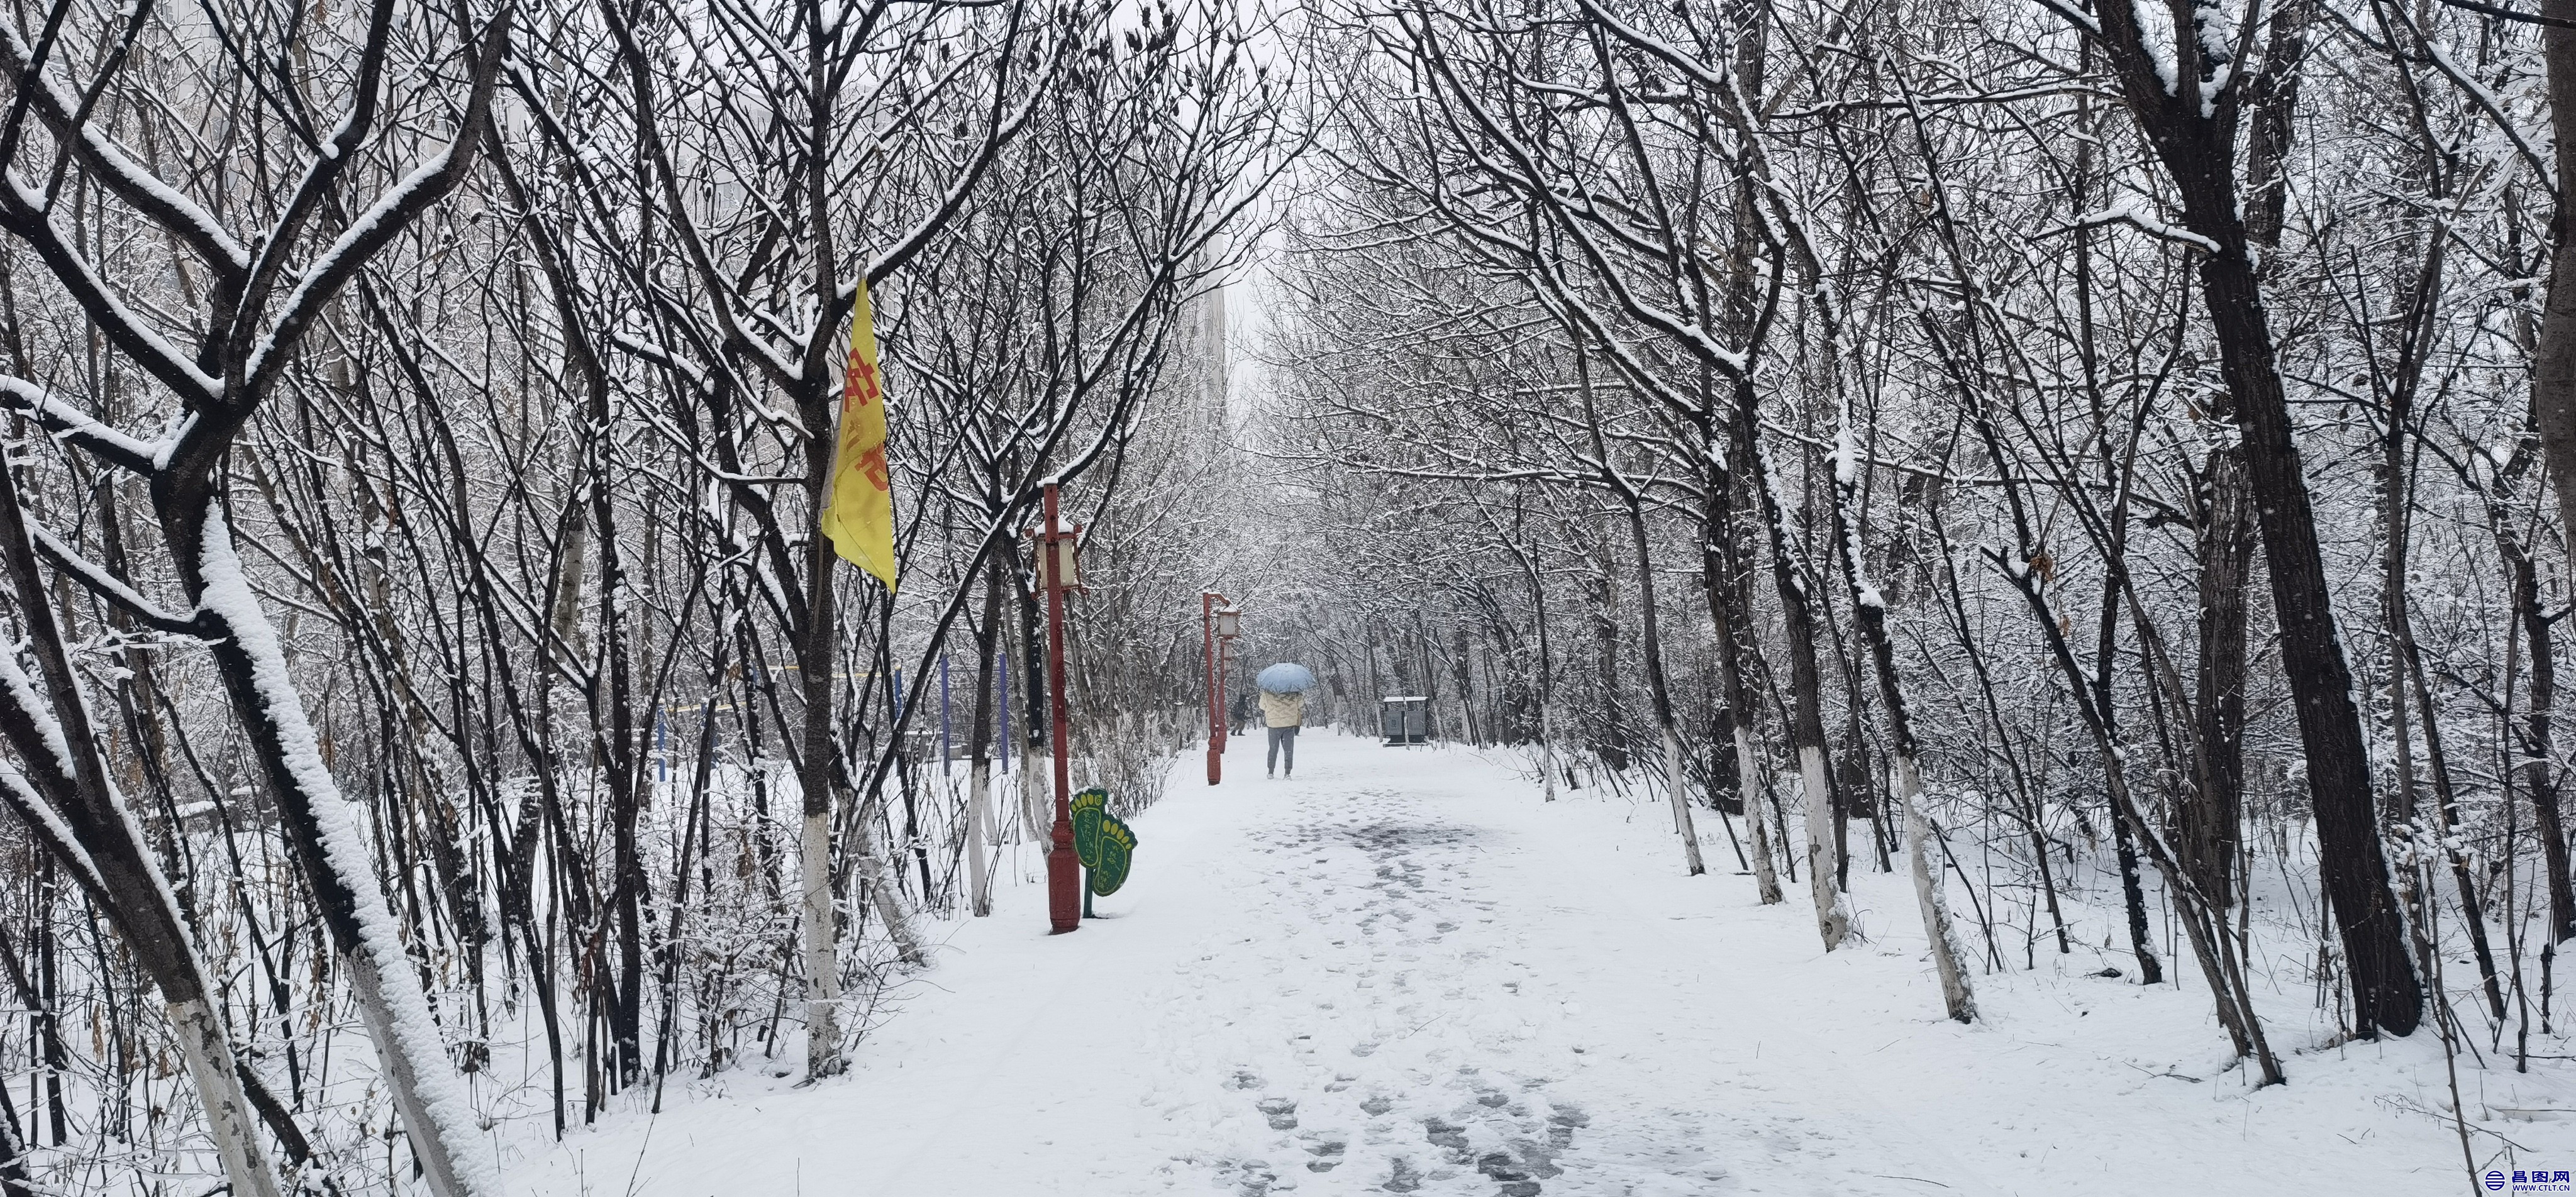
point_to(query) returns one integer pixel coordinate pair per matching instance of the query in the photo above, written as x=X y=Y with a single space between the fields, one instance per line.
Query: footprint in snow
x=1446 y=1134
x=1515 y=1177
x=1562 y=1124
x=1250 y=1178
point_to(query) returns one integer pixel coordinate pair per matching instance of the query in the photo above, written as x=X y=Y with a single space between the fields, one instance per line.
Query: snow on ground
x=1403 y=971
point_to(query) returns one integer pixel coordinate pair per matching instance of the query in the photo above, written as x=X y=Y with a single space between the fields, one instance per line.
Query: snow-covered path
x=1403 y=972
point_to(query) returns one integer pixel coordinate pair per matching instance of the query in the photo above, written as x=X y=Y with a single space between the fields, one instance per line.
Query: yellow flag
x=859 y=516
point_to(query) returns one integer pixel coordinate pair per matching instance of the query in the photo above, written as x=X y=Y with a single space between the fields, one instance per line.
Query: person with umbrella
x=1283 y=710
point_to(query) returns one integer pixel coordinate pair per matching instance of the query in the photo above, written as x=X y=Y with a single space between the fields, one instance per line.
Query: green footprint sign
x=1105 y=844
x=1090 y=808
x=1117 y=851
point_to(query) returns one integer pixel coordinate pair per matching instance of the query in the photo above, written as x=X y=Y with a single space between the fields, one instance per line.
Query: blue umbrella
x=1286 y=677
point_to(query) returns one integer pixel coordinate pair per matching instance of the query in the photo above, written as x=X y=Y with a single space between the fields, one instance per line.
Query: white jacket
x=1282 y=710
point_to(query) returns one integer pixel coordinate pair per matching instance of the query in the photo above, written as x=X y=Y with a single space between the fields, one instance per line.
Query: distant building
x=1200 y=363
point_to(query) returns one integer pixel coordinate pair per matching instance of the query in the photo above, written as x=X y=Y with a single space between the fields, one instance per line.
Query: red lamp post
x=1062 y=572
x=1229 y=624
x=1208 y=599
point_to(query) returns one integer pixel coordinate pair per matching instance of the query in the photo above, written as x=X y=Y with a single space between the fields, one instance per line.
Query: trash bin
x=1405 y=720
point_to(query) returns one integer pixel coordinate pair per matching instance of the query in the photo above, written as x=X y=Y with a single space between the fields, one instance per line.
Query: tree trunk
x=1034 y=816
x=2539 y=767
x=2211 y=822
x=1718 y=573
x=979 y=773
x=1546 y=696
x=871 y=872
x=2197 y=149
x=1610 y=738
x=814 y=660
x=2553 y=417
x=1806 y=716
x=1676 y=772
x=1869 y=612
x=618 y=757
x=2386 y=995
x=2553 y=367
x=2133 y=891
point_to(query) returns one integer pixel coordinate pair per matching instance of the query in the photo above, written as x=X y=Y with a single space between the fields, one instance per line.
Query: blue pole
x=1002 y=679
x=661 y=748
x=943 y=710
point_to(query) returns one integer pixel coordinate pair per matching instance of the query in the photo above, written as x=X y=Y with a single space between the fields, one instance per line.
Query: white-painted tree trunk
x=1757 y=803
x=1677 y=786
x=979 y=797
x=890 y=912
x=1955 y=994
x=1832 y=920
x=822 y=967
x=1033 y=813
x=1869 y=615
x=230 y=1120
x=572 y=559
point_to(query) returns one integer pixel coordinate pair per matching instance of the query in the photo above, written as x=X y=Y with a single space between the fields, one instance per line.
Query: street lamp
x=1229 y=624
x=1219 y=620
x=1059 y=552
